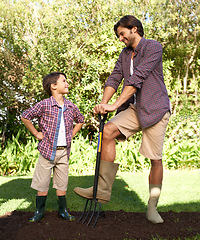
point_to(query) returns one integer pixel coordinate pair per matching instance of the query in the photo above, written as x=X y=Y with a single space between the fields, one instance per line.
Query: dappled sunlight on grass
x=13 y=204
x=180 y=192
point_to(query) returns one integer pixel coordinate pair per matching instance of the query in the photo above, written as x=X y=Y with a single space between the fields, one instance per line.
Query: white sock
x=152 y=214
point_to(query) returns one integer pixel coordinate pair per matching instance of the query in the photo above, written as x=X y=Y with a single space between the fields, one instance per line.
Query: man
x=140 y=65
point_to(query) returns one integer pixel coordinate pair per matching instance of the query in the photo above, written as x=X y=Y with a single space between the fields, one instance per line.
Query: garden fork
x=94 y=201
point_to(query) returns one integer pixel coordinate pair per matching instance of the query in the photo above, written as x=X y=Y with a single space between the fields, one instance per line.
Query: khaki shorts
x=152 y=137
x=43 y=171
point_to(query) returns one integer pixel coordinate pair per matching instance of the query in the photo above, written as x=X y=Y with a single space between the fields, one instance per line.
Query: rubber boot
x=152 y=214
x=40 y=205
x=63 y=213
x=107 y=173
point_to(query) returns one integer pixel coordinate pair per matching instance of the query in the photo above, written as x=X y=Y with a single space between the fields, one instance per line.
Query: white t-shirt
x=62 y=134
x=131 y=72
x=131 y=67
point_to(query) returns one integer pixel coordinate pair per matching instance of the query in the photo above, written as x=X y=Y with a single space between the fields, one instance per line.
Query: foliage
x=83 y=156
x=179 y=153
x=77 y=37
x=185 y=154
x=181 y=149
x=127 y=154
x=18 y=158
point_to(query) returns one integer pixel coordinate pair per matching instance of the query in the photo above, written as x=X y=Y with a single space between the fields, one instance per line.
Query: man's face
x=127 y=36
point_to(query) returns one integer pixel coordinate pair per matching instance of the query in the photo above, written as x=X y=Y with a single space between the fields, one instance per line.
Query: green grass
x=130 y=192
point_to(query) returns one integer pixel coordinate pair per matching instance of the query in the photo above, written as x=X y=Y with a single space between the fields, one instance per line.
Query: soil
x=111 y=225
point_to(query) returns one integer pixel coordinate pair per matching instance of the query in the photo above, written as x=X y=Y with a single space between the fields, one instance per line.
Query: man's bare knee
x=110 y=131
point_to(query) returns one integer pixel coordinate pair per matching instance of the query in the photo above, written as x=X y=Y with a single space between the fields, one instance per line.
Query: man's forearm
x=108 y=93
x=125 y=95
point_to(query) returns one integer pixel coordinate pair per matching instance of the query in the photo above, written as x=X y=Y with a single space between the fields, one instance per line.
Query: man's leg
x=156 y=172
x=122 y=126
x=108 y=152
x=152 y=148
x=108 y=168
x=155 y=184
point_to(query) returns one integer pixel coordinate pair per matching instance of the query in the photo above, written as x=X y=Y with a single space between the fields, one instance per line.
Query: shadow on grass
x=122 y=198
x=19 y=189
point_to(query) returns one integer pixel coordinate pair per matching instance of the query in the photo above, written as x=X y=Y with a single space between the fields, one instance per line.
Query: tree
x=77 y=37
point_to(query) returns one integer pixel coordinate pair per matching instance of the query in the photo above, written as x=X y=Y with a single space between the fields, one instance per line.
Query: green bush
x=179 y=153
x=18 y=158
x=77 y=37
x=185 y=154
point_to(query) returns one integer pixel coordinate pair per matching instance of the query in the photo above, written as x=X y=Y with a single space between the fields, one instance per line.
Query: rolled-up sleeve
x=78 y=116
x=33 y=112
x=152 y=56
x=117 y=74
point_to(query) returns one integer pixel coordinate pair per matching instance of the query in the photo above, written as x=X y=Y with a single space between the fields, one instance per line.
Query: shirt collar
x=138 y=47
x=67 y=103
x=53 y=101
x=140 y=44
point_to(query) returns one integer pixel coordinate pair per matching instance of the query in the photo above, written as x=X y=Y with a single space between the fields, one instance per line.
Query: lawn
x=180 y=192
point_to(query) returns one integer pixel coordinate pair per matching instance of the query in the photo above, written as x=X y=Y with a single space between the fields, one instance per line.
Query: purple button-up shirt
x=48 y=112
x=152 y=100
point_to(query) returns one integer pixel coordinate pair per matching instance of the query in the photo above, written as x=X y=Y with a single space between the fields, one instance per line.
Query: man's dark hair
x=129 y=22
x=49 y=79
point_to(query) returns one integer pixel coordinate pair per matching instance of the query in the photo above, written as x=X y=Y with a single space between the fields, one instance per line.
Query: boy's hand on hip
x=39 y=136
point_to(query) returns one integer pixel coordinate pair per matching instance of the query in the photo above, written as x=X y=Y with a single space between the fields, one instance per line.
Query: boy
x=55 y=116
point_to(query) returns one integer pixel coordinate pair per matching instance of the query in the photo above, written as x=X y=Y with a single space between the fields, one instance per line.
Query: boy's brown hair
x=49 y=79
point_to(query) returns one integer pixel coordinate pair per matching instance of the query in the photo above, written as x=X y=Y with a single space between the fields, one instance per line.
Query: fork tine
x=95 y=204
x=93 y=213
x=96 y=177
x=97 y=216
x=84 y=211
x=88 y=212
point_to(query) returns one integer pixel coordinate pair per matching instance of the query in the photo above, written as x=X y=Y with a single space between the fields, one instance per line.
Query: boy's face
x=61 y=86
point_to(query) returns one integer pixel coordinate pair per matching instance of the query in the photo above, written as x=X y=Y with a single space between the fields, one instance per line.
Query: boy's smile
x=62 y=85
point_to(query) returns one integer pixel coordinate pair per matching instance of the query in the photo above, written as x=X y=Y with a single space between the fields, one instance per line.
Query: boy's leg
x=40 y=182
x=42 y=193
x=42 y=175
x=60 y=193
x=63 y=212
x=60 y=182
x=40 y=205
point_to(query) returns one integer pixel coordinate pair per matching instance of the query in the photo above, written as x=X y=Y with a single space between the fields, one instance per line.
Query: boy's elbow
x=25 y=120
